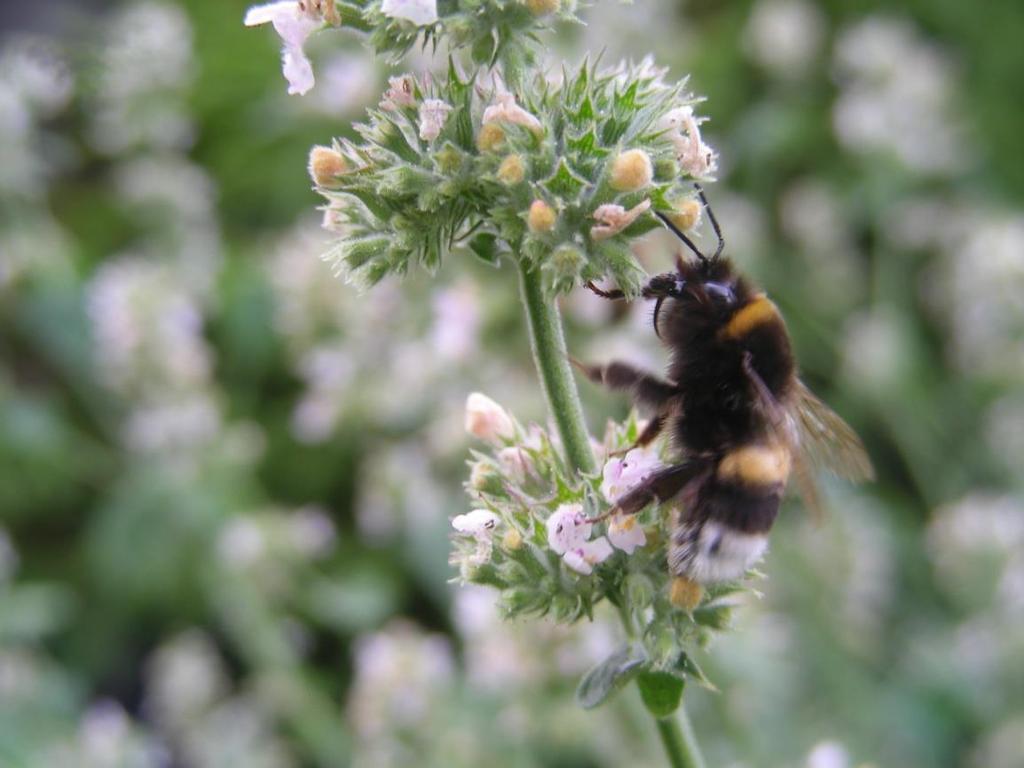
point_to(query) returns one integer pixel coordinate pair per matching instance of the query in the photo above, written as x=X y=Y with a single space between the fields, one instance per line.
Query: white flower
x=505 y=110
x=433 y=113
x=419 y=12
x=567 y=528
x=697 y=158
x=487 y=420
x=294 y=25
x=480 y=524
x=615 y=218
x=626 y=533
x=401 y=92
x=621 y=475
x=583 y=558
x=568 y=534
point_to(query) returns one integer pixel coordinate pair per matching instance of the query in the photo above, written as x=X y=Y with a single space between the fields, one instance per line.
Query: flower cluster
x=491 y=31
x=562 y=176
x=534 y=536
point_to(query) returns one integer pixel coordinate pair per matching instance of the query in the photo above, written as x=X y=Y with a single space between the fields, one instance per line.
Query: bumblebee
x=739 y=418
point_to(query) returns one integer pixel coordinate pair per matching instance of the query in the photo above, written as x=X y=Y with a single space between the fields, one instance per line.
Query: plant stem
x=552 y=361
x=680 y=743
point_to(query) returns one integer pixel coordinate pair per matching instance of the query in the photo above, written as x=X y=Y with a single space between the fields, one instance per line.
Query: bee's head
x=706 y=292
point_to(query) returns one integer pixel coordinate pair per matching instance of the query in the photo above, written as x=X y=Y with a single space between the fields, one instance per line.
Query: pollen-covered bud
x=491 y=137
x=685 y=593
x=686 y=215
x=326 y=165
x=512 y=539
x=487 y=420
x=541 y=218
x=632 y=170
x=512 y=170
x=543 y=7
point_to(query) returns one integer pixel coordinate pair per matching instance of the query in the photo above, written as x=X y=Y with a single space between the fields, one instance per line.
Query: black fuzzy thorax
x=718 y=402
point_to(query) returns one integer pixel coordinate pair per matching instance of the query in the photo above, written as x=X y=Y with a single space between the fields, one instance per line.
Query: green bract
x=417 y=191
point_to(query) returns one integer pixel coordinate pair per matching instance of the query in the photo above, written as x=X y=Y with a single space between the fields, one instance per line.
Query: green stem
x=552 y=361
x=679 y=740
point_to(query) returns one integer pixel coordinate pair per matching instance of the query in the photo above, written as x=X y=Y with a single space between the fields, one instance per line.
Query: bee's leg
x=614 y=294
x=646 y=388
x=660 y=486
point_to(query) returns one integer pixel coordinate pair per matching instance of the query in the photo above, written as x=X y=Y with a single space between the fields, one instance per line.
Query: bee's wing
x=828 y=442
x=786 y=429
x=816 y=436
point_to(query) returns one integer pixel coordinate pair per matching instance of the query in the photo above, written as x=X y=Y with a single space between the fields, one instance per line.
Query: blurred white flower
x=294 y=25
x=241 y=542
x=784 y=36
x=682 y=129
x=456 y=321
x=480 y=524
x=625 y=533
x=184 y=677
x=400 y=673
x=487 y=420
x=896 y=95
x=311 y=531
x=828 y=754
x=569 y=534
x=620 y=475
x=614 y=218
x=505 y=110
x=146 y=64
x=401 y=93
x=515 y=462
x=419 y=12
x=433 y=114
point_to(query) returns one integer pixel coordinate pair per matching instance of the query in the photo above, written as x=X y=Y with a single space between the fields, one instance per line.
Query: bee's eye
x=720 y=291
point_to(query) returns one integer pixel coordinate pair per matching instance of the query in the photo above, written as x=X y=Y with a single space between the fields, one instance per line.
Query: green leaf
x=661 y=692
x=609 y=676
x=485 y=247
x=685 y=665
x=563 y=182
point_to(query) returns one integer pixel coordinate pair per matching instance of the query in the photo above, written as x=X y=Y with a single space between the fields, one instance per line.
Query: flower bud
x=543 y=7
x=487 y=420
x=686 y=215
x=485 y=476
x=512 y=170
x=325 y=165
x=685 y=593
x=491 y=136
x=632 y=170
x=512 y=539
x=542 y=217
x=515 y=462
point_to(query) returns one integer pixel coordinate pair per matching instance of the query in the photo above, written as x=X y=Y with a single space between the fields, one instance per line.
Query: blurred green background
x=226 y=479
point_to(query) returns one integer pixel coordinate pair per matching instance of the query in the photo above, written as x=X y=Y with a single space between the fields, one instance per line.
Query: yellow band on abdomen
x=756 y=465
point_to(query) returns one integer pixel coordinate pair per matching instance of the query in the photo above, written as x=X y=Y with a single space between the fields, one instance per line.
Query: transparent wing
x=786 y=429
x=828 y=442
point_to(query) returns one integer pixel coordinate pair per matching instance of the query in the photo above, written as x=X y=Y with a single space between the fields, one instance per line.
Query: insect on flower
x=740 y=418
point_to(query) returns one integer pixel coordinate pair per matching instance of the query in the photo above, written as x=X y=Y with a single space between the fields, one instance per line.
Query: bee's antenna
x=678 y=233
x=714 y=221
